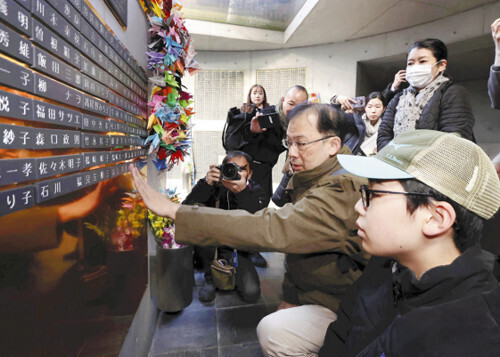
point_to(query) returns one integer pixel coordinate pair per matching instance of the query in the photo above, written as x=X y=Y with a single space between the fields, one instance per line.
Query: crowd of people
x=357 y=283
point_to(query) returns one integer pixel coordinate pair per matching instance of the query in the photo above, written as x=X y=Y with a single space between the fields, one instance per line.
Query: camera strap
x=235 y=252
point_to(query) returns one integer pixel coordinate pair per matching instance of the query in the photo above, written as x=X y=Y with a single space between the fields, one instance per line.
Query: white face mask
x=419 y=76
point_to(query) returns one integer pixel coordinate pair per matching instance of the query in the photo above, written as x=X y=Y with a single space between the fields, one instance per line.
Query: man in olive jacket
x=317 y=230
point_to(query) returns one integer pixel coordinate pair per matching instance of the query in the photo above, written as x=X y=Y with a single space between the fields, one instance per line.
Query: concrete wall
x=332 y=68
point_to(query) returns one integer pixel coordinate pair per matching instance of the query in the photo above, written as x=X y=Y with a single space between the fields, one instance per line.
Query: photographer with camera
x=258 y=128
x=228 y=186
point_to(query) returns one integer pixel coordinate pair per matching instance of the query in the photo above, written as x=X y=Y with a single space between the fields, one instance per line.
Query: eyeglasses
x=287 y=143
x=366 y=193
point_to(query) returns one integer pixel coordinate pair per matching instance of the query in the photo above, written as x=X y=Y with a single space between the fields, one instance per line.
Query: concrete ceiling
x=327 y=21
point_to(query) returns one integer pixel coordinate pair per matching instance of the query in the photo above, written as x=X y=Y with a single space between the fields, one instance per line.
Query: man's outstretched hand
x=155 y=201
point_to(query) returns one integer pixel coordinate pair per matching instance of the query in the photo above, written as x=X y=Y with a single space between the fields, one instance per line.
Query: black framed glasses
x=366 y=193
x=287 y=143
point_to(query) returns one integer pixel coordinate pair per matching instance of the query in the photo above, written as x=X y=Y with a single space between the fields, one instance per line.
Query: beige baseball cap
x=453 y=166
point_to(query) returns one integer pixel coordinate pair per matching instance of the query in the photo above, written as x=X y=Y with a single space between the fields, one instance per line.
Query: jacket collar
x=310 y=177
x=473 y=267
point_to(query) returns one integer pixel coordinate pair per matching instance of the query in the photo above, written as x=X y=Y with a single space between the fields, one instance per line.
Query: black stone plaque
x=119 y=9
x=53 y=43
x=17 y=170
x=16 y=137
x=15 y=15
x=49 y=88
x=86 y=29
x=94 y=87
x=56 y=22
x=56 y=165
x=55 y=138
x=115 y=126
x=25 y=3
x=15 y=76
x=96 y=158
x=94 y=71
x=117 y=156
x=95 y=141
x=66 y=9
x=94 y=21
x=46 y=63
x=95 y=124
x=94 y=176
x=15 y=106
x=94 y=105
x=77 y=4
x=130 y=154
x=54 y=114
x=120 y=141
x=118 y=170
x=50 y=189
x=94 y=53
x=17 y=199
x=12 y=44
x=116 y=113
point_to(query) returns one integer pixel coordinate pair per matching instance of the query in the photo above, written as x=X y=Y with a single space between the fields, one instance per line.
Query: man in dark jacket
x=216 y=190
x=434 y=294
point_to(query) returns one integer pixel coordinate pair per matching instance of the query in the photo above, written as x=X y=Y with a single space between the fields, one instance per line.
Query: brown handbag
x=223 y=273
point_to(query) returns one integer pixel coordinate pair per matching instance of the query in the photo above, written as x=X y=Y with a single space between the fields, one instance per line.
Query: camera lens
x=230 y=171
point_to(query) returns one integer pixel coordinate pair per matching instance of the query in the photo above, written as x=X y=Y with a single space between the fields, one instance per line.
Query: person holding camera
x=258 y=128
x=244 y=133
x=229 y=187
x=363 y=122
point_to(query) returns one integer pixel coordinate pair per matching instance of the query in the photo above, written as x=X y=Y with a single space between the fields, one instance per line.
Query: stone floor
x=224 y=327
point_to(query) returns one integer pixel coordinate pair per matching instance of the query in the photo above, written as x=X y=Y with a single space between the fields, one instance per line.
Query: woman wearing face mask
x=431 y=102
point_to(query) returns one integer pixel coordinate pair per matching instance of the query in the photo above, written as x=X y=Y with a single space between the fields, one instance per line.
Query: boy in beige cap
x=429 y=289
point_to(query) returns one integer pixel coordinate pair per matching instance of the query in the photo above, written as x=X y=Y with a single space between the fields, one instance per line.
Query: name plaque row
x=14 y=171
x=62 y=66
x=28 y=196
x=66 y=47
x=19 y=77
x=19 y=107
x=24 y=137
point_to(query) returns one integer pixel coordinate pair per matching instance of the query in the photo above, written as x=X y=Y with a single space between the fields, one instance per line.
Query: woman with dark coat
x=363 y=124
x=263 y=145
x=432 y=101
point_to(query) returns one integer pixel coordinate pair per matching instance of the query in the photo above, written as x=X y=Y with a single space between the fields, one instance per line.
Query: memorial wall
x=64 y=68
x=72 y=118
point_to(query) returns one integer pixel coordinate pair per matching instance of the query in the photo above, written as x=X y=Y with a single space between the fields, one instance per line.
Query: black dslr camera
x=230 y=171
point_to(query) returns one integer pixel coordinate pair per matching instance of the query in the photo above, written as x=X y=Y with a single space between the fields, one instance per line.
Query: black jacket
x=448 y=110
x=263 y=147
x=453 y=310
x=355 y=135
x=251 y=199
x=353 y=128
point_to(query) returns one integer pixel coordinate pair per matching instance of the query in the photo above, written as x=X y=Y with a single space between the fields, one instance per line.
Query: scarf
x=370 y=140
x=411 y=105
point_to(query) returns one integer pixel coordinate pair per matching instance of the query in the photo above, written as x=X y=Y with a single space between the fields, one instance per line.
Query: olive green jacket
x=321 y=220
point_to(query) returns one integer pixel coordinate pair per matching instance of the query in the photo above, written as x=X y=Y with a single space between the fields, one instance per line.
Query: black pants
x=247 y=279
x=263 y=175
